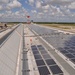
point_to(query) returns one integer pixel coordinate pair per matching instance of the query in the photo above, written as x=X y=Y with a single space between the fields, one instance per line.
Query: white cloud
x=14 y=4
x=40 y=13
x=4 y=1
x=58 y=2
x=41 y=10
x=8 y=12
x=38 y=4
x=33 y=11
x=1 y=8
x=31 y=1
x=72 y=6
x=14 y=15
x=1 y=14
x=45 y=11
x=46 y=7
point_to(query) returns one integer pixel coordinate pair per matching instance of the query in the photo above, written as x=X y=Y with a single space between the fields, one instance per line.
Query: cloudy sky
x=39 y=10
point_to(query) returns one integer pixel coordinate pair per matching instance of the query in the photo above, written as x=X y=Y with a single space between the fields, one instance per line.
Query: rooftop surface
x=37 y=50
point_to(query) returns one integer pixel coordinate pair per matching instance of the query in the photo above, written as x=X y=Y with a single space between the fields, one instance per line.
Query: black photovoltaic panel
x=39 y=45
x=66 y=48
x=71 y=51
x=46 y=56
x=41 y=48
x=55 y=69
x=73 y=60
x=43 y=70
x=69 y=55
x=74 y=54
x=50 y=62
x=64 y=51
x=61 y=49
x=73 y=47
x=35 y=52
x=37 y=56
x=40 y=62
x=33 y=46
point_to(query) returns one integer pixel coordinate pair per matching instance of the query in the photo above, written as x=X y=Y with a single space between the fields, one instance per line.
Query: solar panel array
x=69 y=49
x=46 y=65
x=62 y=42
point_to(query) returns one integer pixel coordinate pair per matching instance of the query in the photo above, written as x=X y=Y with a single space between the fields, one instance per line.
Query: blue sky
x=38 y=10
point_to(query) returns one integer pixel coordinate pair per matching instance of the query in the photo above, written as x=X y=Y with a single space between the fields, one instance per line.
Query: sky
x=38 y=10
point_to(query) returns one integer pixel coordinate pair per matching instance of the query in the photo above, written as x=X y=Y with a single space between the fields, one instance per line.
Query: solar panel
x=55 y=69
x=74 y=54
x=60 y=48
x=50 y=62
x=43 y=70
x=34 y=48
x=37 y=56
x=40 y=62
x=46 y=56
x=66 y=47
x=35 y=52
x=73 y=47
x=69 y=55
x=73 y=60
x=64 y=51
x=71 y=51
x=39 y=45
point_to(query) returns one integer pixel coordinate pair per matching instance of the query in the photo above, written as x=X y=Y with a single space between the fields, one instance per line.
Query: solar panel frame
x=69 y=56
x=74 y=54
x=50 y=62
x=39 y=46
x=73 y=60
x=34 y=48
x=71 y=51
x=40 y=62
x=43 y=70
x=56 y=70
x=64 y=51
x=66 y=48
x=36 y=52
x=37 y=57
x=72 y=47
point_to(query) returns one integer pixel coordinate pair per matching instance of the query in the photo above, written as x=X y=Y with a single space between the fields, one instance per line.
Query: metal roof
x=9 y=52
